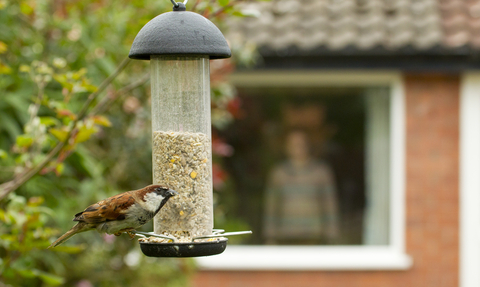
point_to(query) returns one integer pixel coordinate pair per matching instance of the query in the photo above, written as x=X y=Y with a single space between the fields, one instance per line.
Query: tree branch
x=106 y=101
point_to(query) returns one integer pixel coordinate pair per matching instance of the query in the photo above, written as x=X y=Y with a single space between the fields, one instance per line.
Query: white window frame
x=470 y=180
x=359 y=257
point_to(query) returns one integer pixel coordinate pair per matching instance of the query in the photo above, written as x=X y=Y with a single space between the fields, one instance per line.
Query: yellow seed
x=181 y=212
x=172 y=160
x=193 y=174
x=205 y=160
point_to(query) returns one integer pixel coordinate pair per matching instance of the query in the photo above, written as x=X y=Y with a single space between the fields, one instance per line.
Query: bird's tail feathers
x=80 y=227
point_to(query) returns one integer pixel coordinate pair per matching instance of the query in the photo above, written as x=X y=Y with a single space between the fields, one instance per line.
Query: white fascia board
x=304 y=258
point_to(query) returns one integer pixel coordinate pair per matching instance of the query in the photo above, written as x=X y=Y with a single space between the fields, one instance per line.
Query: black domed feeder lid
x=179 y=33
x=184 y=249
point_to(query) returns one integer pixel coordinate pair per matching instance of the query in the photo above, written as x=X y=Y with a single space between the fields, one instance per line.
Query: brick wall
x=432 y=202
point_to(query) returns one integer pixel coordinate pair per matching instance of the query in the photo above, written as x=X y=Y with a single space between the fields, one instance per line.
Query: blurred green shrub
x=22 y=234
x=74 y=124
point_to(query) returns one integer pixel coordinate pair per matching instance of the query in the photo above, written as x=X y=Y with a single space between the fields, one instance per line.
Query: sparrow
x=120 y=213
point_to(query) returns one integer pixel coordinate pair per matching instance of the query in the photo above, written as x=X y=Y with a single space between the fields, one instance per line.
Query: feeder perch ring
x=216 y=245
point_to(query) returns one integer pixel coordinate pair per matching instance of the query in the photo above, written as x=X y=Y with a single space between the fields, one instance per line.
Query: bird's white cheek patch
x=152 y=201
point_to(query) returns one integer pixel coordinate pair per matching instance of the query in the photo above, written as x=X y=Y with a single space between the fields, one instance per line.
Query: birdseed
x=153 y=239
x=181 y=160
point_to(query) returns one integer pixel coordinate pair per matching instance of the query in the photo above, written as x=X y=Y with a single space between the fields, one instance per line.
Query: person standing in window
x=301 y=204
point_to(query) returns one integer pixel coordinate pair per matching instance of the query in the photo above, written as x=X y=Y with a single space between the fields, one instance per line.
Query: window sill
x=306 y=258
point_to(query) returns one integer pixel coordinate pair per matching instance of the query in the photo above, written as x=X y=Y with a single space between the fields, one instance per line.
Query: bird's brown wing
x=112 y=208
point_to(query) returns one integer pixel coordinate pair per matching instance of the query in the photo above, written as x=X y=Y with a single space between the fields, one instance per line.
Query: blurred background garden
x=75 y=128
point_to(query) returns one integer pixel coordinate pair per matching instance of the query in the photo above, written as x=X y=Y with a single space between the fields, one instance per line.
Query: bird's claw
x=129 y=231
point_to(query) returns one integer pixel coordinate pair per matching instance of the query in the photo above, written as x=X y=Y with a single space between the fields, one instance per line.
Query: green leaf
x=24 y=69
x=61 y=78
x=27 y=273
x=223 y=3
x=44 y=276
x=89 y=87
x=238 y=14
x=5 y=69
x=24 y=140
x=3 y=47
x=2 y=215
x=79 y=74
x=3 y=154
x=85 y=133
x=51 y=279
x=101 y=121
x=61 y=135
x=49 y=121
x=59 y=168
x=25 y=8
x=35 y=201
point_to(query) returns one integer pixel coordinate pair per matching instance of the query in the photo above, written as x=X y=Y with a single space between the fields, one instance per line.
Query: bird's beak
x=172 y=192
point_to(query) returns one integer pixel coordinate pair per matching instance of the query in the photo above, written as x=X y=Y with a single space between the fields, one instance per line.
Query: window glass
x=311 y=165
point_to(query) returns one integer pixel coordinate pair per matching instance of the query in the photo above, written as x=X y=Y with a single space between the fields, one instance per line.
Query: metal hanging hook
x=176 y=4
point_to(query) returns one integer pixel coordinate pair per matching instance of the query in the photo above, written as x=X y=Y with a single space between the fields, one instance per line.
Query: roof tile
x=363 y=24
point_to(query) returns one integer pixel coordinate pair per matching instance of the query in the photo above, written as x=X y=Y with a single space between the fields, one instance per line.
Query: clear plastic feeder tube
x=182 y=150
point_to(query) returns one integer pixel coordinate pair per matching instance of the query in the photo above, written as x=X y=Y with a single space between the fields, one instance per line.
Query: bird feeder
x=180 y=45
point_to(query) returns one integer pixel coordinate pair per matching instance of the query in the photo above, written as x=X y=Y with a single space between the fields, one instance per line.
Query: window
x=318 y=162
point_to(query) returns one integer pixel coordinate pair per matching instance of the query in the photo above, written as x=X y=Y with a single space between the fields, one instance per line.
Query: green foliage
x=23 y=235
x=54 y=56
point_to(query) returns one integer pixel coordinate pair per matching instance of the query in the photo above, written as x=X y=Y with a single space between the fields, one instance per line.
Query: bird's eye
x=159 y=189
